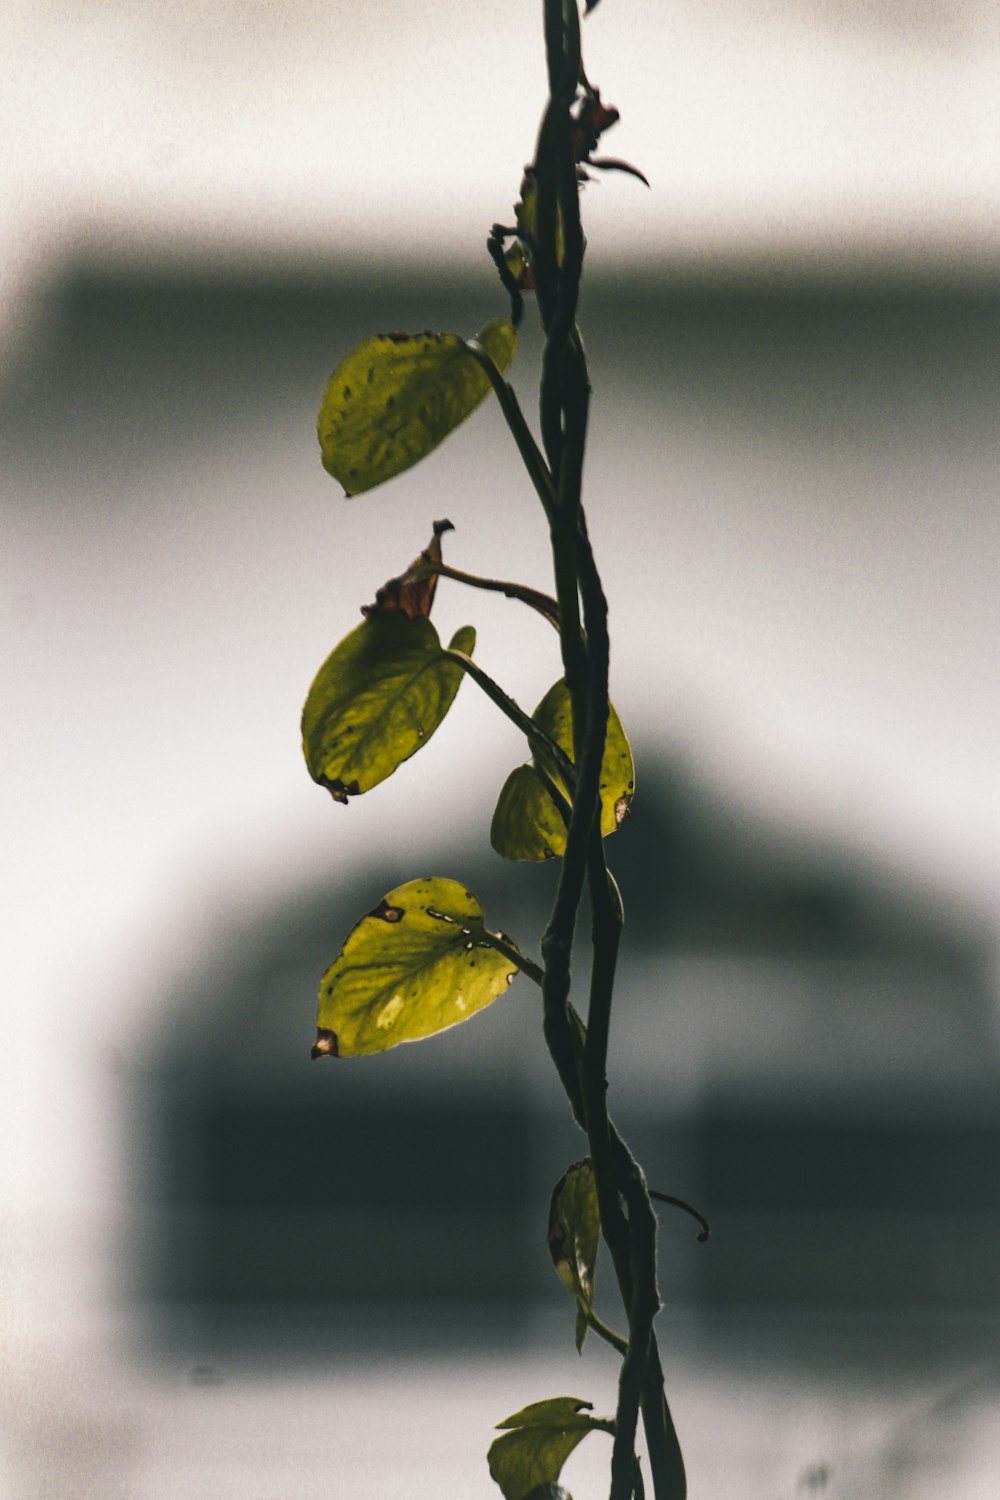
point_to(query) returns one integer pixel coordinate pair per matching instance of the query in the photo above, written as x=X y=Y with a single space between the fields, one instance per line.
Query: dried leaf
x=413 y=592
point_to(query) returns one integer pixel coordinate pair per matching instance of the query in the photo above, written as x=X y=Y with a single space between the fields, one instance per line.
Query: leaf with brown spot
x=420 y=962
x=377 y=699
x=526 y=824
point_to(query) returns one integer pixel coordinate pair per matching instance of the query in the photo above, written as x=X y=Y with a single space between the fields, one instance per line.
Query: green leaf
x=542 y=1438
x=574 y=1238
x=526 y=214
x=397 y=396
x=377 y=698
x=420 y=962
x=526 y=824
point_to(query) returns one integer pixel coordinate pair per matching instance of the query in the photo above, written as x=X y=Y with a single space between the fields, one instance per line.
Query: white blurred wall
x=806 y=131
x=147 y=774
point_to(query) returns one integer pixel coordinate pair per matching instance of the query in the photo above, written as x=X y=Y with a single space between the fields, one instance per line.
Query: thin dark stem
x=529 y=450
x=572 y=644
x=562 y=807
x=536 y=736
x=543 y=603
x=699 y=1218
x=628 y=1221
x=564 y=398
x=527 y=966
x=665 y=1457
x=602 y=1330
x=561 y=1036
x=641 y=1381
x=616 y=1173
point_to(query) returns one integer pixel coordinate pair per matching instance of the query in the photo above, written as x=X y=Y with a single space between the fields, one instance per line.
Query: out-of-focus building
x=794 y=345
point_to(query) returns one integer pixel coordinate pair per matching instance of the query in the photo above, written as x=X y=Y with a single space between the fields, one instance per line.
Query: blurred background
x=227 y=1271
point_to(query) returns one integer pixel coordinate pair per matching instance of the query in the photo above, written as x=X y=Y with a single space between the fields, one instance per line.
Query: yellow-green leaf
x=574 y=1237
x=526 y=214
x=541 y=1438
x=525 y=820
x=420 y=962
x=526 y=824
x=397 y=396
x=377 y=699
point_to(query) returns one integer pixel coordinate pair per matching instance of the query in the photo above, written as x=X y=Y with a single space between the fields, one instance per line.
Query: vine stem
x=565 y=387
x=543 y=603
x=564 y=402
x=604 y=1332
x=536 y=736
x=628 y=1221
x=501 y=944
x=529 y=450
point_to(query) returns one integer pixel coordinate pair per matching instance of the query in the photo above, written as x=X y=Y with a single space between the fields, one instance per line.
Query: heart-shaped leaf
x=422 y=961
x=397 y=396
x=541 y=1438
x=574 y=1237
x=377 y=698
x=526 y=824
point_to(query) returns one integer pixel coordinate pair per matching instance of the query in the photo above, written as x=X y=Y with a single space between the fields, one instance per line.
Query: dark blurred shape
x=851 y=1212
x=404 y=1196
x=339 y=1199
x=837 y=1120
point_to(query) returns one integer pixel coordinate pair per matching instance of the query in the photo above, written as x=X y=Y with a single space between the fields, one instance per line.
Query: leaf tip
x=325 y=1044
x=339 y=790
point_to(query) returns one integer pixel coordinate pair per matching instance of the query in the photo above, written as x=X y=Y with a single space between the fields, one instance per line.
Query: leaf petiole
x=500 y=944
x=536 y=737
x=531 y=454
x=543 y=603
x=602 y=1330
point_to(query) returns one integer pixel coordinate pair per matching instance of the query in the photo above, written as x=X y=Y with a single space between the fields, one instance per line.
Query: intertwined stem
x=628 y=1221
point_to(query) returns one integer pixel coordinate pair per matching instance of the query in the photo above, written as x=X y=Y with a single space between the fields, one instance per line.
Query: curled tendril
x=706 y=1228
x=498 y=254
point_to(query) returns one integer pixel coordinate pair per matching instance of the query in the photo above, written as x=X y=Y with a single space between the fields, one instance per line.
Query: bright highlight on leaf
x=574 y=1237
x=526 y=824
x=541 y=1439
x=420 y=962
x=397 y=396
x=377 y=699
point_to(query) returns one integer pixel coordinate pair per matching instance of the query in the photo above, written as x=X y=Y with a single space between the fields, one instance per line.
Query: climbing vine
x=426 y=958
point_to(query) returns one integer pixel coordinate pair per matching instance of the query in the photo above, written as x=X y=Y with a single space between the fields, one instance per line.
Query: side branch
x=536 y=736
x=543 y=603
x=529 y=450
